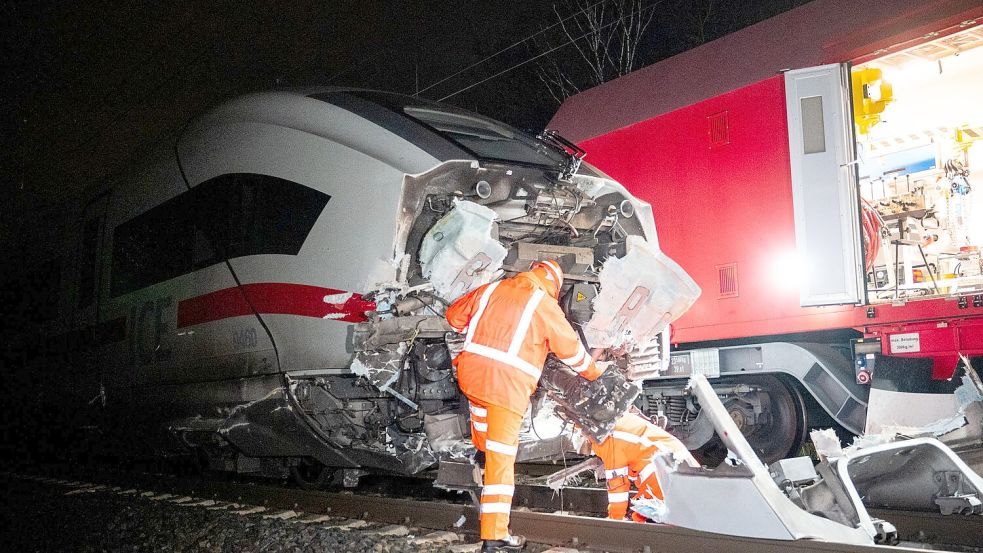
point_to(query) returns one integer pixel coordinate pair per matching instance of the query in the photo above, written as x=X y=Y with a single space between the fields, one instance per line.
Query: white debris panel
x=956 y=418
x=640 y=294
x=765 y=511
x=459 y=253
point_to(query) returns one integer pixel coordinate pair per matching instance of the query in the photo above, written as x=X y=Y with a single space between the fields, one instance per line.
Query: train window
x=152 y=247
x=87 y=262
x=474 y=134
x=229 y=216
x=485 y=137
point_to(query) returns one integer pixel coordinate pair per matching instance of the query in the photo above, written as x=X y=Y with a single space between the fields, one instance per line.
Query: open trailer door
x=824 y=185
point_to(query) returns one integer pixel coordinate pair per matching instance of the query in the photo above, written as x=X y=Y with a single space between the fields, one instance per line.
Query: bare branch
x=605 y=35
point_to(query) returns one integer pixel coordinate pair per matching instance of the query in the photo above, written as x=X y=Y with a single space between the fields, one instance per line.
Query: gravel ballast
x=48 y=515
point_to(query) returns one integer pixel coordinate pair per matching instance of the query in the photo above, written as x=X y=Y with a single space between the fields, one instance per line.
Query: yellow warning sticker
x=581 y=296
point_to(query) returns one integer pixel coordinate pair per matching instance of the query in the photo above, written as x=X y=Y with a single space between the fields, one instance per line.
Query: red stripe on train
x=273 y=298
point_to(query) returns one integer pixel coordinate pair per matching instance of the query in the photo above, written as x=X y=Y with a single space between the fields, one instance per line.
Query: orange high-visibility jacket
x=511 y=325
x=627 y=455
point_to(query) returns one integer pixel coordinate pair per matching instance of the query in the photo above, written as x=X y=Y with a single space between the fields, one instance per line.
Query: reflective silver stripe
x=498 y=355
x=498 y=489
x=644 y=474
x=626 y=437
x=620 y=471
x=482 y=304
x=504 y=357
x=499 y=447
x=525 y=320
x=635 y=439
x=581 y=352
x=505 y=508
x=583 y=366
x=478 y=411
x=480 y=426
x=618 y=497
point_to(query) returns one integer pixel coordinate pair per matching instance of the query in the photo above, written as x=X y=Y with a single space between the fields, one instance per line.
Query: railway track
x=554 y=529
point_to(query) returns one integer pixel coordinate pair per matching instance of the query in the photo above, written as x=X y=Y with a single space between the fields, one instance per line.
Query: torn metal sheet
x=888 y=408
x=766 y=512
x=382 y=368
x=641 y=293
x=459 y=253
x=956 y=418
x=827 y=443
x=560 y=478
x=919 y=474
x=448 y=435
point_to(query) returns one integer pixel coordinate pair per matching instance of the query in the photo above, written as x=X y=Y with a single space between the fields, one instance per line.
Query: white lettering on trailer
x=906 y=343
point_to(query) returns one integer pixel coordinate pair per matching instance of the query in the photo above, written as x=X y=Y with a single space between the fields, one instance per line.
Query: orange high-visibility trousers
x=627 y=455
x=619 y=485
x=495 y=430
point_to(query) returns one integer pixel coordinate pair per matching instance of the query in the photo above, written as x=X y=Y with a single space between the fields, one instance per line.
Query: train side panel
x=305 y=299
x=722 y=164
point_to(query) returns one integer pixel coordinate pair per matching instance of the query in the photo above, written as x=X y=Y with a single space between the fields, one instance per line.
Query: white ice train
x=208 y=296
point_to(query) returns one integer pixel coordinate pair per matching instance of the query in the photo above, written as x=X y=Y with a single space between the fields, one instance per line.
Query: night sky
x=89 y=85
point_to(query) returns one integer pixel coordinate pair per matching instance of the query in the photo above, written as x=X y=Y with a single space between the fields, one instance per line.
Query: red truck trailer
x=820 y=175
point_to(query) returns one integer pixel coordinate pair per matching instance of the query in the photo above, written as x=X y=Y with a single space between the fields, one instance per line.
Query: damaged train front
x=467 y=223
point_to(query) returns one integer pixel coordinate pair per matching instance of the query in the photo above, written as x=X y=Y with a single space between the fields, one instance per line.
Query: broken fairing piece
x=641 y=293
x=560 y=478
x=766 y=512
x=827 y=443
x=447 y=434
x=382 y=368
x=920 y=474
x=459 y=253
x=651 y=508
x=956 y=418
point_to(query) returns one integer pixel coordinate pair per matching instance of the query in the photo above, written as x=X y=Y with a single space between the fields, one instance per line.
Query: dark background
x=88 y=85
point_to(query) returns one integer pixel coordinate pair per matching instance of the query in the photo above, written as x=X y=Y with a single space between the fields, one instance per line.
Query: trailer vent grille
x=727 y=280
x=719 y=129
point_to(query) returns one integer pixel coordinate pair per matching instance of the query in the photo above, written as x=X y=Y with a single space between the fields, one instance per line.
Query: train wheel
x=311 y=474
x=781 y=432
x=778 y=432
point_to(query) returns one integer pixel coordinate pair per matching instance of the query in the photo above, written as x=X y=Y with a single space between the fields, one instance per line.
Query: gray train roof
x=443 y=132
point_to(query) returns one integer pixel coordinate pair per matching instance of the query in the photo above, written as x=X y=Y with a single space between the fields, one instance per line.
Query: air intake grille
x=719 y=130
x=727 y=280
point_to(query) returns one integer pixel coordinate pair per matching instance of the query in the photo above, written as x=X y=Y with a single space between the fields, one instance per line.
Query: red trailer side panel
x=721 y=200
x=717 y=176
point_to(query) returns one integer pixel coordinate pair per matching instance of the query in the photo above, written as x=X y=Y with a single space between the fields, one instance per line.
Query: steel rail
x=952 y=530
x=545 y=528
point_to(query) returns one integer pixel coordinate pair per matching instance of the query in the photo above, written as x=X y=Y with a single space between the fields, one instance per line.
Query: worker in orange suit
x=510 y=326
x=627 y=455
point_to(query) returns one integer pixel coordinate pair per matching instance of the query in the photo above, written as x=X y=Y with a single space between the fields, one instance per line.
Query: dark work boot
x=511 y=544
